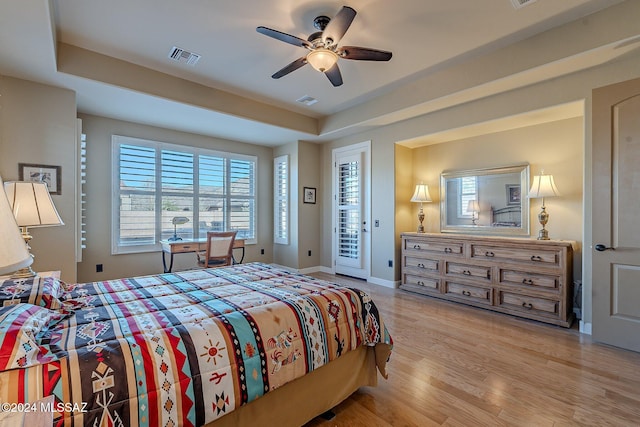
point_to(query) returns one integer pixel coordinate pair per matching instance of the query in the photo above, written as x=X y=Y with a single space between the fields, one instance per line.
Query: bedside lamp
x=473 y=207
x=13 y=251
x=543 y=186
x=421 y=195
x=32 y=207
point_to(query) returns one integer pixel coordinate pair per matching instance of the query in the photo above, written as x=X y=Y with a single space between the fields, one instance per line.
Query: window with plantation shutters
x=155 y=182
x=281 y=200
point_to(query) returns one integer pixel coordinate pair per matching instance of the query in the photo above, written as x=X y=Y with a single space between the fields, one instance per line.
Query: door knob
x=601 y=248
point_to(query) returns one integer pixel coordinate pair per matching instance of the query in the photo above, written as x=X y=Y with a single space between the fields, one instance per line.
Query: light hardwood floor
x=454 y=365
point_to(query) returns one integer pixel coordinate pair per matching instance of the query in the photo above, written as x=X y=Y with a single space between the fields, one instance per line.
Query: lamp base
x=543 y=235
x=24 y=273
x=174 y=238
x=421 y=218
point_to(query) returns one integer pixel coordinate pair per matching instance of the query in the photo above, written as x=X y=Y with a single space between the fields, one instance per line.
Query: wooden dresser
x=523 y=277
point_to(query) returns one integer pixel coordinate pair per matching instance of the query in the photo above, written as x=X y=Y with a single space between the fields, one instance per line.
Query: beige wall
x=305 y=225
x=98 y=188
x=38 y=125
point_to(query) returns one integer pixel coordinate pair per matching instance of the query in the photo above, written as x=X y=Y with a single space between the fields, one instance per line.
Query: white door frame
x=365 y=149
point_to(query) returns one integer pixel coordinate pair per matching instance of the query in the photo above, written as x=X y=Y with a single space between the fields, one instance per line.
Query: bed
x=250 y=344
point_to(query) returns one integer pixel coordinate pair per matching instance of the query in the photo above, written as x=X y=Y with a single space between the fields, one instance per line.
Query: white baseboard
x=383 y=282
x=585 y=328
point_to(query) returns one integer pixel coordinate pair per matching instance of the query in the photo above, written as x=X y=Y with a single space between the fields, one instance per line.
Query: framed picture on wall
x=50 y=175
x=309 y=195
x=513 y=194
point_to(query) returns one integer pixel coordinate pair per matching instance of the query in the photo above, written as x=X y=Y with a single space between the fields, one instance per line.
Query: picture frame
x=50 y=175
x=514 y=195
x=309 y=195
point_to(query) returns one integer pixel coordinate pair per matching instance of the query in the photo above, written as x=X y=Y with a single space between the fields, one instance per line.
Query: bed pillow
x=22 y=331
x=45 y=292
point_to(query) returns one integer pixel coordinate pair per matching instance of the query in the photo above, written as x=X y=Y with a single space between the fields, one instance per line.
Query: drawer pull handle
x=489 y=254
x=420 y=283
x=466 y=293
x=466 y=272
x=527 y=305
x=527 y=282
x=536 y=258
x=186 y=247
x=448 y=250
x=420 y=265
x=416 y=246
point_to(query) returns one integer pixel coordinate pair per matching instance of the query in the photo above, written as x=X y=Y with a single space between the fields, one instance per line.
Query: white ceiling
x=236 y=96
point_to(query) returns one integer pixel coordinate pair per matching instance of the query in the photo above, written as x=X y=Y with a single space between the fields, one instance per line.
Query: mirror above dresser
x=489 y=201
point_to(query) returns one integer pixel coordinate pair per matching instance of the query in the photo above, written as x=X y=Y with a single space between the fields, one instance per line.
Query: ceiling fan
x=323 y=46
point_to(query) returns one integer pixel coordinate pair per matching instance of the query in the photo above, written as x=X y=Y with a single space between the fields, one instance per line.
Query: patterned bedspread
x=186 y=348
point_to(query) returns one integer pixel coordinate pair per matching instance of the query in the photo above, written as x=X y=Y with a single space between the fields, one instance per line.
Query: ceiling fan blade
x=334 y=76
x=338 y=26
x=287 y=38
x=291 y=67
x=363 y=53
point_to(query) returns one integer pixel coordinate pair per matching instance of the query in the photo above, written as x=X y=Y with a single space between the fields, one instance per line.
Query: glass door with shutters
x=350 y=213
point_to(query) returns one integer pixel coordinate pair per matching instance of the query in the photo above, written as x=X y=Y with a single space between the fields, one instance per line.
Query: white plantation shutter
x=349 y=212
x=242 y=203
x=281 y=200
x=157 y=181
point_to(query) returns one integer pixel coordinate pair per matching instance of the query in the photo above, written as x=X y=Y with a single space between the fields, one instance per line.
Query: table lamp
x=421 y=195
x=32 y=207
x=543 y=186
x=177 y=220
x=473 y=207
x=14 y=254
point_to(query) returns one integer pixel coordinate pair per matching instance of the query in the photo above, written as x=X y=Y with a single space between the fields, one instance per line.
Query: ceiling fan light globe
x=322 y=59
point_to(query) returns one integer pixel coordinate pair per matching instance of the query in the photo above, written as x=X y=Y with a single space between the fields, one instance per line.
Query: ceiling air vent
x=307 y=100
x=184 y=56
x=522 y=3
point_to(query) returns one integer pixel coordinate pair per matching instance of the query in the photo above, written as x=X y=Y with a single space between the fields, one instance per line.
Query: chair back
x=219 y=250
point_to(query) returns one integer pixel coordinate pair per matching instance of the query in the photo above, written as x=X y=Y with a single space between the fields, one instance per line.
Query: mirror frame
x=523 y=230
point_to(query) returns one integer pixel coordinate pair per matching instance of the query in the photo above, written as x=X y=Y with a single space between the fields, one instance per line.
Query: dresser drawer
x=476 y=294
x=528 y=304
x=422 y=264
x=417 y=246
x=521 y=278
x=530 y=256
x=432 y=283
x=476 y=272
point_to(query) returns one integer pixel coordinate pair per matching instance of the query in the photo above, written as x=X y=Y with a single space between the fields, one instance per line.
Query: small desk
x=190 y=246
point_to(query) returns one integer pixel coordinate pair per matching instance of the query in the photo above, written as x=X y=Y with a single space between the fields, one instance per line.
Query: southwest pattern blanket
x=187 y=348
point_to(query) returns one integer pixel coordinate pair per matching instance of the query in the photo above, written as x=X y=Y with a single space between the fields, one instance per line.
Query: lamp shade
x=13 y=250
x=322 y=59
x=543 y=186
x=31 y=204
x=473 y=206
x=421 y=194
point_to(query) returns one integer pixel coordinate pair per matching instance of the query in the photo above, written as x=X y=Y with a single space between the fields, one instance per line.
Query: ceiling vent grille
x=307 y=100
x=522 y=3
x=180 y=55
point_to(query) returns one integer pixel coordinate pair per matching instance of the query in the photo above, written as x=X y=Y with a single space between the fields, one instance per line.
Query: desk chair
x=219 y=252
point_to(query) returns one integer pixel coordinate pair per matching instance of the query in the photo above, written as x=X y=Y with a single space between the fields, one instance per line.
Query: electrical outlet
x=309 y=254
x=390 y=263
x=377 y=223
x=261 y=251
x=98 y=268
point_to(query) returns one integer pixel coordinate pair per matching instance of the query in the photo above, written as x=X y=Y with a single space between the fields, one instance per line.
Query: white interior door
x=616 y=215
x=351 y=211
